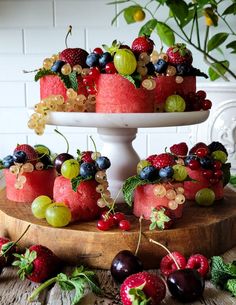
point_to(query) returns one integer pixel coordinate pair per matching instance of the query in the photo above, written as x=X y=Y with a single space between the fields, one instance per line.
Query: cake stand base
x=207 y=230
x=117 y=146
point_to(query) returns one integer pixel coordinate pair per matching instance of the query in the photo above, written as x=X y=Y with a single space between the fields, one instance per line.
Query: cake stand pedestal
x=117 y=132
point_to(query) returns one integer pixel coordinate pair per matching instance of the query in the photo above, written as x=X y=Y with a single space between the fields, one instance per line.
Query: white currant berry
x=172 y=204
x=66 y=69
x=170 y=194
x=180 y=199
x=159 y=190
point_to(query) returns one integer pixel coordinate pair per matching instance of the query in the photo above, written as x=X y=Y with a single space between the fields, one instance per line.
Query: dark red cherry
x=186 y=285
x=60 y=159
x=124 y=264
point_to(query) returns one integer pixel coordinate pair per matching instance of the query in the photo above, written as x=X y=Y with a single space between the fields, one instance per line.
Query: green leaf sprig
x=79 y=280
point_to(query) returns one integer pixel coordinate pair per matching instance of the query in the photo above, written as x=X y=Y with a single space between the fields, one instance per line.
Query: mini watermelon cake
x=28 y=173
x=82 y=184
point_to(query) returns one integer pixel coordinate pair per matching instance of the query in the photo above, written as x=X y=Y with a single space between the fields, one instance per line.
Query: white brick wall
x=31 y=30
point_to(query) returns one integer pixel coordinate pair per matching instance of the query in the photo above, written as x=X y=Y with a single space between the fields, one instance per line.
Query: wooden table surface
x=13 y=291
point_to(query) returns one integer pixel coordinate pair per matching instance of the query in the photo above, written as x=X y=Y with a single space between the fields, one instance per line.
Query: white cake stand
x=117 y=132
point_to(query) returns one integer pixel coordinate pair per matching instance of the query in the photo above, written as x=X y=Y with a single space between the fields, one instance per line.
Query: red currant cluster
x=110 y=220
x=197 y=101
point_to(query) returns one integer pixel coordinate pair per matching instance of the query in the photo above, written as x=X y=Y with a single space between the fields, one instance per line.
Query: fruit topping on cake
x=29 y=173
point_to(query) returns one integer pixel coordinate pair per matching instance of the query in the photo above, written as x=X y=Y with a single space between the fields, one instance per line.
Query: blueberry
x=19 y=156
x=161 y=66
x=149 y=173
x=183 y=69
x=105 y=59
x=92 y=60
x=56 y=67
x=151 y=68
x=103 y=163
x=87 y=170
x=45 y=159
x=206 y=162
x=8 y=161
x=166 y=172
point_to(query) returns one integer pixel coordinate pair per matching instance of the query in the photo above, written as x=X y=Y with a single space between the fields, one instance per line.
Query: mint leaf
x=231 y=286
x=66 y=80
x=134 y=79
x=73 y=81
x=79 y=286
x=43 y=72
x=75 y=182
x=222 y=272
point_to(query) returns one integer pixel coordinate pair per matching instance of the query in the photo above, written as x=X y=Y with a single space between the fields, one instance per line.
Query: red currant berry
x=124 y=225
x=206 y=104
x=92 y=90
x=214 y=180
x=118 y=216
x=202 y=152
x=110 y=68
x=218 y=174
x=98 y=51
x=103 y=225
x=194 y=164
x=207 y=173
x=94 y=72
x=201 y=94
x=217 y=164
x=88 y=80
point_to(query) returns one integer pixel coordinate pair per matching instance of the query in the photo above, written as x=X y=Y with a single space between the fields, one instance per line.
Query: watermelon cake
x=165 y=181
x=28 y=173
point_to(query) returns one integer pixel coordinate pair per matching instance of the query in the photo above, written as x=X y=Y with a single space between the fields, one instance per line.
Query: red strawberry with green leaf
x=5 y=243
x=37 y=264
x=74 y=56
x=161 y=160
x=29 y=150
x=161 y=218
x=142 y=44
x=142 y=288
x=179 y=150
x=179 y=54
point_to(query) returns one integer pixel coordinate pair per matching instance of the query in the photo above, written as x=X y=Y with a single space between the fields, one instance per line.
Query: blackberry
x=215 y=145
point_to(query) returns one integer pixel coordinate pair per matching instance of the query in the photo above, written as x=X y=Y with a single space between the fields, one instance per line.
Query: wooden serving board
x=206 y=230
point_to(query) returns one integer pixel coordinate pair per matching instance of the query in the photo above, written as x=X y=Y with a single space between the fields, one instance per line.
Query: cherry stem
x=15 y=242
x=68 y=33
x=171 y=255
x=25 y=71
x=67 y=143
x=139 y=235
x=95 y=147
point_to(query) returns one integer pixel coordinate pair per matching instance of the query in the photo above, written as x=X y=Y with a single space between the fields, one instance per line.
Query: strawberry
x=168 y=265
x=5 y=243
x=161 y=217
x=179 y=54
x=74 y=56
x=161 y=160
x=180 y=150
x=29 y=150
x=194 y=149
x=142 y=288
x=198 y=262
x=37 y=264
x=142 y=44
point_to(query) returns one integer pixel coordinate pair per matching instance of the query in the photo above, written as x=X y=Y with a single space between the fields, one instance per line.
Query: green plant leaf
x=231 y=286
x=117 y=2
x=219 y=66
x=221 y=272
x=178 y=8
x=216 y=41
x=232 y=45
x=75 y=182
x=73 y=81
x=148 y=28
x=230 y=10
x=165 y=33
x=129 y=13
x=43 y=72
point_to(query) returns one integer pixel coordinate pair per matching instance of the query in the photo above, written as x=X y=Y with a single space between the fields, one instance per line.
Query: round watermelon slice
x=38 y=182
x=200 y=182
x=82 y=203
x=53 y=85
x=145 y=200
x=117 y=94
x=166 y=86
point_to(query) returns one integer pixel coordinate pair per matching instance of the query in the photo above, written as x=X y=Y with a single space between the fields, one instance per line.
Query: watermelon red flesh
x=192 y=187
x=37 y=183
x=53 y=85
x=166 y=86
x=117 y=94
x=82 y=203
x=145 y=201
